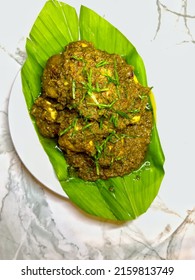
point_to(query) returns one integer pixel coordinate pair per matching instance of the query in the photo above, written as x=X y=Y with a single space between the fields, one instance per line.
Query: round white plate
x=26 y=141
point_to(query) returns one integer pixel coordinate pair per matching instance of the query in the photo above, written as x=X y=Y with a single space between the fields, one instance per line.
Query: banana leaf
x=120 y=198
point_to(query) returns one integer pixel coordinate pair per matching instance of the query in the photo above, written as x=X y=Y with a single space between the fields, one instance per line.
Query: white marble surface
x=38 y=224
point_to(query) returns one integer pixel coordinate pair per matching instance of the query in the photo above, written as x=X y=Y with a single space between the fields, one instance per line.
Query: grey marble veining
x=38 y=224
x=182 y=14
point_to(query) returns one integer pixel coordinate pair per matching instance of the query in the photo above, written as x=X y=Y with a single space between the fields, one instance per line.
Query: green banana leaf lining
x=120 y=198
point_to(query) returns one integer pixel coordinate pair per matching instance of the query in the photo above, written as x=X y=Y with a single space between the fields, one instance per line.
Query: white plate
x=26 y=141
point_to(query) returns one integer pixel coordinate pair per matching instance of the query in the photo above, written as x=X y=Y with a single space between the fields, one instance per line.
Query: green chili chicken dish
x=100 y=116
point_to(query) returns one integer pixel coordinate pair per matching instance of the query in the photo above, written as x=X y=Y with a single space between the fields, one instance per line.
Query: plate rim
x=16 y=94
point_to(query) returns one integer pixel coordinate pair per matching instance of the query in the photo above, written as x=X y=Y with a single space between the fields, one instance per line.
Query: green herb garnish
x=101 y=63
x=100 y=148
x=102 y=105
x=72 y=125
x=73 y=88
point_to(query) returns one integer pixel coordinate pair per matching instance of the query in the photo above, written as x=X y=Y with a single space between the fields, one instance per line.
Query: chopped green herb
x=148 y=107
x=65 y=130
x=143 y=96
x=102 y=105
x=110 y=79
x=73 y=88
x=101 y=63
x=116 y=73
x=87 y=126
x=72 y=125
x=100 y=149
x=128 y=136
x=122 y=114
x=78 y=58
x=115 y=79
x=101 y=122
x=89 y=88
x=134 y=111
x=114 y=119
x=98 y=89
x=97 y=167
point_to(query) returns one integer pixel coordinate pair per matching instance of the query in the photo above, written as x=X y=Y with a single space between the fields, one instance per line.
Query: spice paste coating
x=99 y=115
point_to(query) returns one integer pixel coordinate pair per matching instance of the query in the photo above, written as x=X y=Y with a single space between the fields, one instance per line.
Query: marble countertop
x=36 y=223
